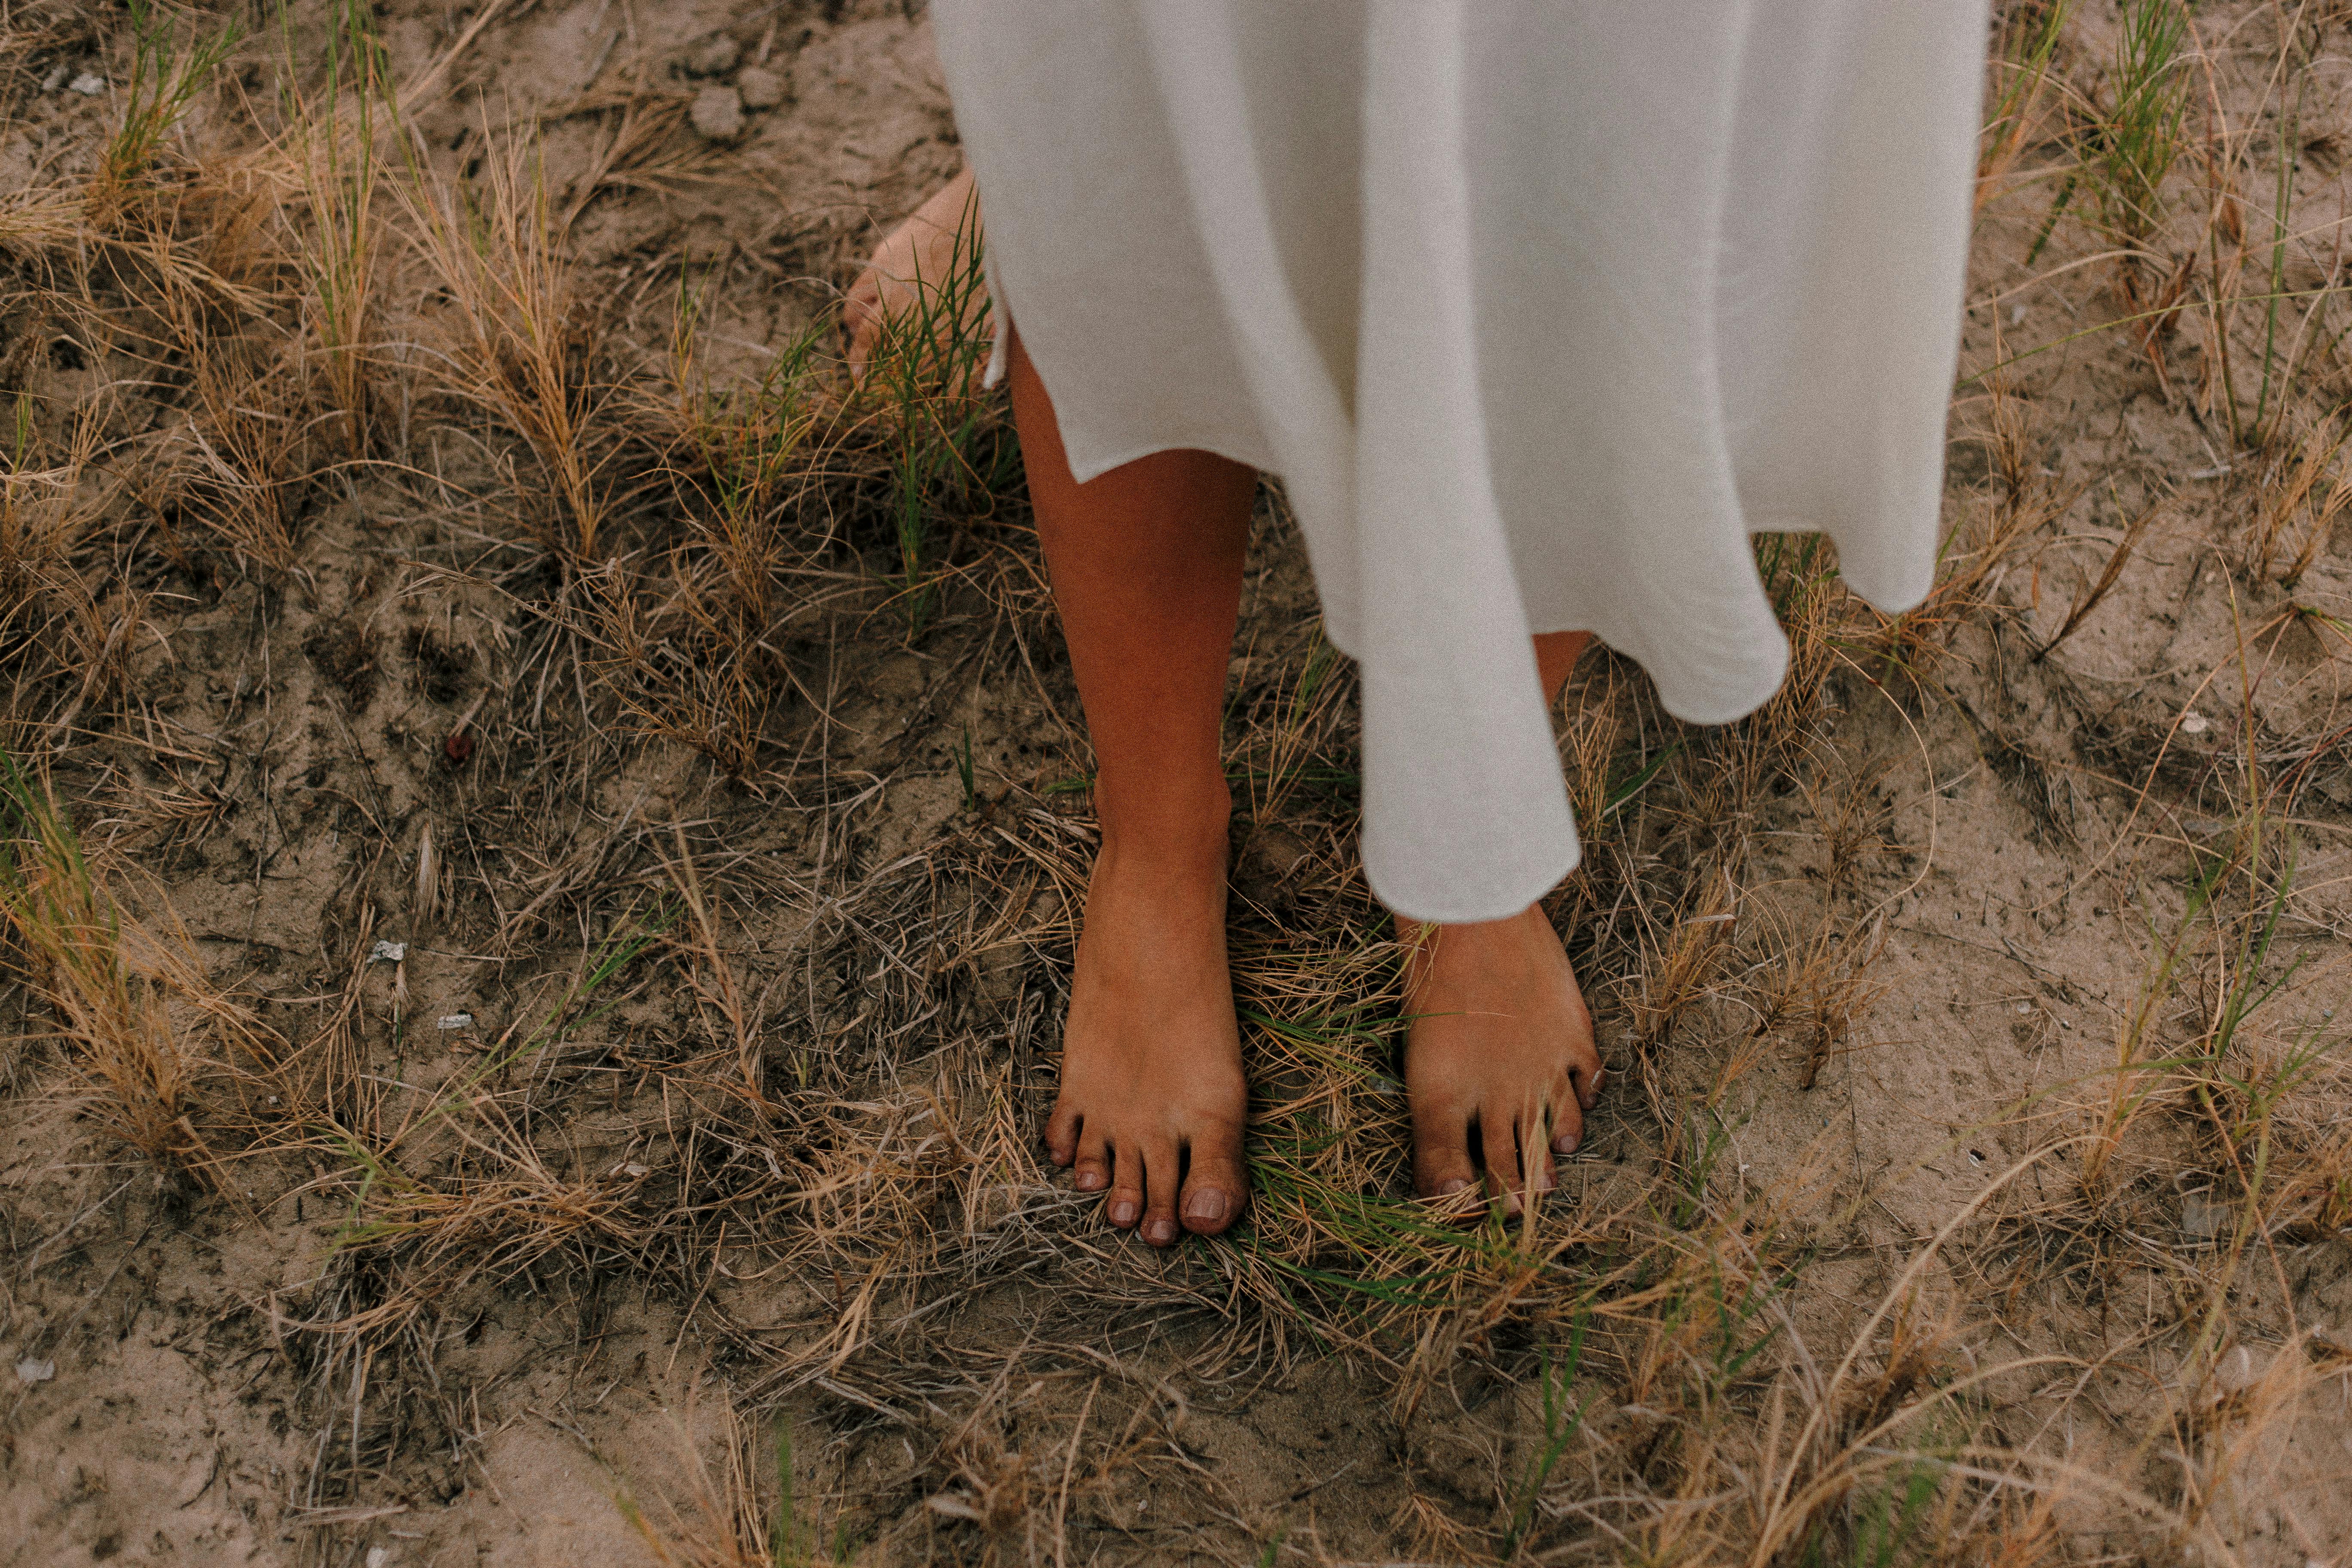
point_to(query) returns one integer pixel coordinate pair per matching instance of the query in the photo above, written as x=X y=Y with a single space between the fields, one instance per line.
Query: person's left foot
x=1500 y=1065
x=1153 y=1099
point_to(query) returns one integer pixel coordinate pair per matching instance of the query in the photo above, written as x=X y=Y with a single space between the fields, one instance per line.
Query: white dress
x=1538 y=308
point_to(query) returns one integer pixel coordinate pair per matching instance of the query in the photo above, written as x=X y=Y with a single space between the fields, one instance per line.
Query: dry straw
x=764 y=801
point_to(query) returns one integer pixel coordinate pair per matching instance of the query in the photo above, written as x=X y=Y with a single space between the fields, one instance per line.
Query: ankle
x=1170 y=828
x=1431 y=947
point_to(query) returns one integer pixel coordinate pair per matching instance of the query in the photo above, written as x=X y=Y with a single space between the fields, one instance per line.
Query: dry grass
x=164 y=1063
x=524 y=339
x=66 y=637
x=717 y=713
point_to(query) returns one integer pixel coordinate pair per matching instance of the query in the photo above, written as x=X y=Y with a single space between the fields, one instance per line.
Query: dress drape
x=1539 y=307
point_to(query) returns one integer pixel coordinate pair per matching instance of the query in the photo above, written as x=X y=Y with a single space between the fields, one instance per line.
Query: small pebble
x=54 y=81
x=2240 y=1370
x=2193 y=724
x=454 y=1021
x=761 y=89
x=31 y=1370
x=387 y=953
x=379 y=1556
x=713 y=56
x=90 y=84
x=717 y=113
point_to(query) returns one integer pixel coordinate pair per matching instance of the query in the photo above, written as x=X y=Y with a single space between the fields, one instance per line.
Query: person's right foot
x=1153 y=1101
x=1499 y=1063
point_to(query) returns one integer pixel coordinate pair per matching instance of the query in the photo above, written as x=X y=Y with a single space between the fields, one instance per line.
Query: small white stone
x=388 y=952
x=31 y=1370
x=54 y=81
x=713 y=56
x=90 y=84
x=454 y=1021
x=2239 y=1371
x=717 y=113
x=761 y=89
x=378 y=1557
x=2193 y=724
x=633 y=1170
x=2203 y=1218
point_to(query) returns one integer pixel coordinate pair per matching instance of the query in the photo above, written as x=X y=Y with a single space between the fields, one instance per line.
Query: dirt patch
x=541 y=889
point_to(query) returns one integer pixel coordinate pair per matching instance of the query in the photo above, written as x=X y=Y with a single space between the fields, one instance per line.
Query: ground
x=544 y=825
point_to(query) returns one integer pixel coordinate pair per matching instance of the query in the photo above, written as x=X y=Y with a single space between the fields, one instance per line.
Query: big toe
x=1214 y=1190
x=1442 y=1166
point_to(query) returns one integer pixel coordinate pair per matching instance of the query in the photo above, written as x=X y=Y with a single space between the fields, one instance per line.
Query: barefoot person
x=1539 y=309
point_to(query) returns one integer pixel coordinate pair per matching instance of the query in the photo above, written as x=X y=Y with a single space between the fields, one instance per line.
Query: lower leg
x=1556 y=657
x=1146 y=564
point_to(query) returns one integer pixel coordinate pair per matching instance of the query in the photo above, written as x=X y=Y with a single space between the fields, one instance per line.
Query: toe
x=1567 y=1123
x=1160 y=1183
x=1498 y=1142
x=1125 y=1206
x=1442 y=1166
x=1215 y=1187
x=1535 y=1154
x=1093 y=1162
x=1589 y=1077
x=1061 y=1132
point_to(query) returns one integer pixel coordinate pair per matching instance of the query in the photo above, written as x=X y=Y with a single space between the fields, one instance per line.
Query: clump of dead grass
x=167 y=74
x=64 y=639
x=743 y=1512
x=157 y=1054
x=525 y=339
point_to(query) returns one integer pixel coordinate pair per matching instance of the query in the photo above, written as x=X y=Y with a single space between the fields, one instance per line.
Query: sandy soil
x=1972 y=1008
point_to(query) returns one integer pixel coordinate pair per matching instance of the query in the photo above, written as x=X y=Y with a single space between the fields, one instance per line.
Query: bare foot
x=1153 y=1100
x=1500 y=1065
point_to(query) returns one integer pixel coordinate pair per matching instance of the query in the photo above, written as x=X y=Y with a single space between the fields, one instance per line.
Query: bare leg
x=1146 y=563
x=1500 y=1054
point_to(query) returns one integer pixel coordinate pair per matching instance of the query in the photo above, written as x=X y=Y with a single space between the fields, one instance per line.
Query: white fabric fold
x=1540 y=309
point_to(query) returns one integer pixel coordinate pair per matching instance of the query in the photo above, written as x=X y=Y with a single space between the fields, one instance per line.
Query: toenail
x=1123 y=1211
x=1159 y=1231
x=1451 y=1185
x=1092 y=1181
x=1206 y=1205
x=1564 y=1144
